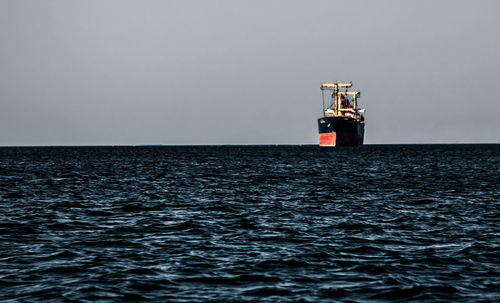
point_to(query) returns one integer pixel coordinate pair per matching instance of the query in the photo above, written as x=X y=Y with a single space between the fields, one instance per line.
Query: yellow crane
x=341 y=104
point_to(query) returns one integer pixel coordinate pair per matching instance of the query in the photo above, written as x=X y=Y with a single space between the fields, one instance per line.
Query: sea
x=284 y=223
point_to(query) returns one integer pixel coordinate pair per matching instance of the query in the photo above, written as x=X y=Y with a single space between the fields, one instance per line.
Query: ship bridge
x=342 y=102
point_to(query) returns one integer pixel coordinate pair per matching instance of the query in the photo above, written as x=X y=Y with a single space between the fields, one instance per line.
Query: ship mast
x=337 y=96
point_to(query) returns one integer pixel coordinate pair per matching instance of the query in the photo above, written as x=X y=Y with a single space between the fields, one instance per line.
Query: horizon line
x=240 y=144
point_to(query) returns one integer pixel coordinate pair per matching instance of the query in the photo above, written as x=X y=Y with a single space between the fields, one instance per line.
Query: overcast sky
x=245 y=72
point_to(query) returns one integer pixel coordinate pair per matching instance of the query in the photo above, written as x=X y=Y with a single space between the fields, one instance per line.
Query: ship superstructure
x=343 y=123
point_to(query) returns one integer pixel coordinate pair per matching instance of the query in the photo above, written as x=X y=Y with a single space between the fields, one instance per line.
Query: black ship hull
x=340 y=131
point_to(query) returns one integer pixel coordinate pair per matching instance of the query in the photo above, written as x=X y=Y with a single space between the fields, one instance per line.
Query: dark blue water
x=250 y=223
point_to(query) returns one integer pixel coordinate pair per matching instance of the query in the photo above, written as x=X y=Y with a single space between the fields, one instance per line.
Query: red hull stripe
x=327 y=139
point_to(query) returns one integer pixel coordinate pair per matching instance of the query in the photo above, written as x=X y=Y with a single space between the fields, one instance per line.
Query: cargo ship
x=343 y=123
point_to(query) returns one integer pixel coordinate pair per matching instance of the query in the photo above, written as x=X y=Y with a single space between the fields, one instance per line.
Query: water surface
x=250 y=223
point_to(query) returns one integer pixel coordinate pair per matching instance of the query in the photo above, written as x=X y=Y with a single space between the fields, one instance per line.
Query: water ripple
x=250 y=223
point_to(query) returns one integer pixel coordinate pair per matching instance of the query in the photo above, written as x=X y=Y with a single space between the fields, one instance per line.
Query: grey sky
x=245 y=72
